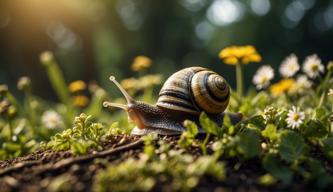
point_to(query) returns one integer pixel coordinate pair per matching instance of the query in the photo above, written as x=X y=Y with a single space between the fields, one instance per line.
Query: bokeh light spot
x=224 y=12
x=260 y=7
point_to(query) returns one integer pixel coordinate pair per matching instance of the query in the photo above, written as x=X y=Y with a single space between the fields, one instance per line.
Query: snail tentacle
x=128 y=98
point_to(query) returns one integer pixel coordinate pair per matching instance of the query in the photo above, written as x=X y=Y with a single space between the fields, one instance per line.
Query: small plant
x=181 y=170
x=83 y=136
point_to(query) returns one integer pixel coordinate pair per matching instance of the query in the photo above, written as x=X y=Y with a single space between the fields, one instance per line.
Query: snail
x=184 y=95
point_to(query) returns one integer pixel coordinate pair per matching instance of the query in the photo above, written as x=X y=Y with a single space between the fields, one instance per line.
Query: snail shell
x=193 y=90
x=184 y=95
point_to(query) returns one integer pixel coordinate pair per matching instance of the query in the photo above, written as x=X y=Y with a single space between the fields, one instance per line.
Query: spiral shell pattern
x=193 y=90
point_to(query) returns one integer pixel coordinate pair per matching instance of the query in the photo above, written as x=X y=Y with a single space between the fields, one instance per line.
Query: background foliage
x=93 y=39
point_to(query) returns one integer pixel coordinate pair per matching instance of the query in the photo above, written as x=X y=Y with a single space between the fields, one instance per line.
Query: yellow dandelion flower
x=149 y=81
x=239 y=54
x=140 y=63
x=282 y=86
x=231 y=60
x=80 y=101
x=76 y=86
x=255 y=58
x=129 y=83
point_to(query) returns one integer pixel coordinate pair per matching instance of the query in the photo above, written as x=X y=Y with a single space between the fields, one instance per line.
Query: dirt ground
x=36 y=171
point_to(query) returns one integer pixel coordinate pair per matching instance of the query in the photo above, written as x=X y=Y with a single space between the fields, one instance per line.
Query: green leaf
x=328 y=147
x=314 y=167
x=258 y=121
x=227 y=121
x=267 y=180
x=209 y=126
x=249 y=143
x=270 y=132
x=292 y=146
x=187 y=137
x=79 y=148
x=320 y=113
x=314 y=129
x=191 y=127
x=282 y=124
x=228 y=124
x=275 y=167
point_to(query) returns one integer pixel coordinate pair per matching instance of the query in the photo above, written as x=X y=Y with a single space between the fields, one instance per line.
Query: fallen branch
x=19 y=166
x=67 y=162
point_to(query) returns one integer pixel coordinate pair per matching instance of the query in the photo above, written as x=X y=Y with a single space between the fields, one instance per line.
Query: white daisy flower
x=289 y=66
x=51 y=119
x=303 y=82
x=295 y=118
x=263 y=76
x=302 y=85
x=312 y=66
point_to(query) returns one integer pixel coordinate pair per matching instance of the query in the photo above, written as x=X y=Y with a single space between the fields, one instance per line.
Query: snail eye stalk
x=128 y=98
x=118 y=105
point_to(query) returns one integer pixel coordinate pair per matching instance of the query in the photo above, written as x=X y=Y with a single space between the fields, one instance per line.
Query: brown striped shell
x=193 y=90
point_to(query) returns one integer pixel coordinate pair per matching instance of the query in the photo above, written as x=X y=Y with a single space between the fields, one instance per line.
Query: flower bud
x=269 y=114
x=46 y=58
x=3 y=89
x=12 y=111
x=83 y=117
x=330 y=66
x=4 y=106
x=24 y=83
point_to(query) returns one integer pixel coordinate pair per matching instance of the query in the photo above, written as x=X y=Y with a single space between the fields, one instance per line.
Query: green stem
x=323 y=88
x=31 y=111
x=59 y=85
x=234 y=95
x=95 y=107
x=322 y=98
x=10 y=125
x=203 y=145
x=239 y=80
x=57 y=81
x=12 y=99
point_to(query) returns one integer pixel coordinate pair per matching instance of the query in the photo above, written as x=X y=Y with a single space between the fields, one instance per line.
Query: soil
x=36 y=171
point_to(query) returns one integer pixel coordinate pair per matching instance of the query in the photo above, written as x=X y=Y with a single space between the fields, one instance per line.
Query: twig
x=19 y=166
x=67 y=162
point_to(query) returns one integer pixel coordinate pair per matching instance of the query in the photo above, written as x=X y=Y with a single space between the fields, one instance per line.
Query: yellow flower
x=140 y=63
x=76 y=86
x=129 y=83
x=282 y=86
x=149 y=81
x=239 y=54
x=80 y=101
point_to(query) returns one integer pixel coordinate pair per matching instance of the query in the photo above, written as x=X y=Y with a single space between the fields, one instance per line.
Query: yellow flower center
x=263 y=79
x=296 y=117
x=314 y=67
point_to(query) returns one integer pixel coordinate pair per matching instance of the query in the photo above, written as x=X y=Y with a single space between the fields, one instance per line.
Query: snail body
x=184 y=95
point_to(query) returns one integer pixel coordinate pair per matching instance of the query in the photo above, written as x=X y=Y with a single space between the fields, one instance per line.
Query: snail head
x=133 y=108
